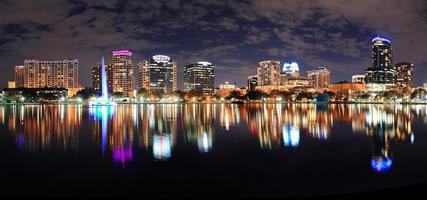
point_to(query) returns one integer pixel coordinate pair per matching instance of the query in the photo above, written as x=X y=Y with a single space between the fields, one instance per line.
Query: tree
x=418 y=93
x=331 y=94
x=180 y=94
x=142 y=93
x=304 y=96
x=391 y=95
x=117 y=95
x=255 y=95
x=87 y=93
x=12 y=97
x=234 y=95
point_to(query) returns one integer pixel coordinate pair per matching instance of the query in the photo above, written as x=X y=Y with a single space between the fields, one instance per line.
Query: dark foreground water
x=205 y=149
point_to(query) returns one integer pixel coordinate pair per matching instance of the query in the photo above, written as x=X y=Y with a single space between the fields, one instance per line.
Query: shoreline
x=255 y=102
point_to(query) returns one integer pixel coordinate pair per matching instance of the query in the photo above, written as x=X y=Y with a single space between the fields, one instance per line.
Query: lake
x=211 y=149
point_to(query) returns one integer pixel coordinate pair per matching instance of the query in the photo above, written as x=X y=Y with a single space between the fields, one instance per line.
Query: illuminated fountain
x=102 y=114
x=104 y=100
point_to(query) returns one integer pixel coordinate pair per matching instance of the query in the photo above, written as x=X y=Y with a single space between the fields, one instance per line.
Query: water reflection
x=199 y=125
x=119 y=131
x=43 y=128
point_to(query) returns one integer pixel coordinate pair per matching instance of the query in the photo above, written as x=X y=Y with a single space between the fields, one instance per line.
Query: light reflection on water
x=119 y=130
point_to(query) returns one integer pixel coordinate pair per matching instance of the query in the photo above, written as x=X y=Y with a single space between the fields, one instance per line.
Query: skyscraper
x=19 y=76
x=268 y=73
x=405 y=74
x=96 y=76
x=252 y=82
x=382 y=70
x=122 y=73
x=200 y=78
x=51 y=74
x=157 y=74
x=290 y=70
x=319 y=78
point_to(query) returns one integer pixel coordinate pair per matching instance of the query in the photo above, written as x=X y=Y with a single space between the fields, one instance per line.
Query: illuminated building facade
x=96 y=76
x=405 y=74
x=358 y=79
x=122 y=73
x=345 y=89
x=268 y=73
x=291 y=70
x=295 y=82
x=11 y=84
x=19 y=76
x=51 y=74
x=200 y=78
x=382 y=70
x=226 y=88
x=319 y=78
x=252 y=82
x=227 y=85
x=157 y=74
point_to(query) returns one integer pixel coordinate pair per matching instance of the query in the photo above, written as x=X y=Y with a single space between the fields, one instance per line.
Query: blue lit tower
x=382 y=70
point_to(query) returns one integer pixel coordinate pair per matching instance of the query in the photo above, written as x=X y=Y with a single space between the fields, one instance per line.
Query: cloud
x=235 y=34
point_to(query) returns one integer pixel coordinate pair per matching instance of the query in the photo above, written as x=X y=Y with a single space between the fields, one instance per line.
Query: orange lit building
x=346 y=89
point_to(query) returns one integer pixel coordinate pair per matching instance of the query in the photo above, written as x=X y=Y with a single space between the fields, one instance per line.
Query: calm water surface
x=204 y=149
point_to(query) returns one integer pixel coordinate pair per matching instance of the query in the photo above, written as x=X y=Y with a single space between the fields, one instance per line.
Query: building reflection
x=278 y=125
x=147 y=126
x=119 y=132
x=387 y=125
x=198 y=122
x=229 y=115
x=40 y=128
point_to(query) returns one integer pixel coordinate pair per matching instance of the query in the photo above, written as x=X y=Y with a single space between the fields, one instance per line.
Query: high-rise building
x=291 y=70
x=200 y=78
x=268 y=73
x=96 y=77
x=405 y=74
x=382 y=70
x=51 y=74
x=157 y=74
x=319 y=78
x=122 y=73
x=19 y=76
x=358 y=79
x=252 y=82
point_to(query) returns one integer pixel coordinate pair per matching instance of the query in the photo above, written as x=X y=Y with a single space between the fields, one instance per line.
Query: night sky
x=234 y=35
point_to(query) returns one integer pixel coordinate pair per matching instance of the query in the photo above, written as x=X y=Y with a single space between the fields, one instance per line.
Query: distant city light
x=289 y=68
x=378 y=38
x=161 y=59
x=122 y=52
x=204 y=63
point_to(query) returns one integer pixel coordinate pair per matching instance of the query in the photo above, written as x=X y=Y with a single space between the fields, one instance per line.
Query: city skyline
x=318 y=35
